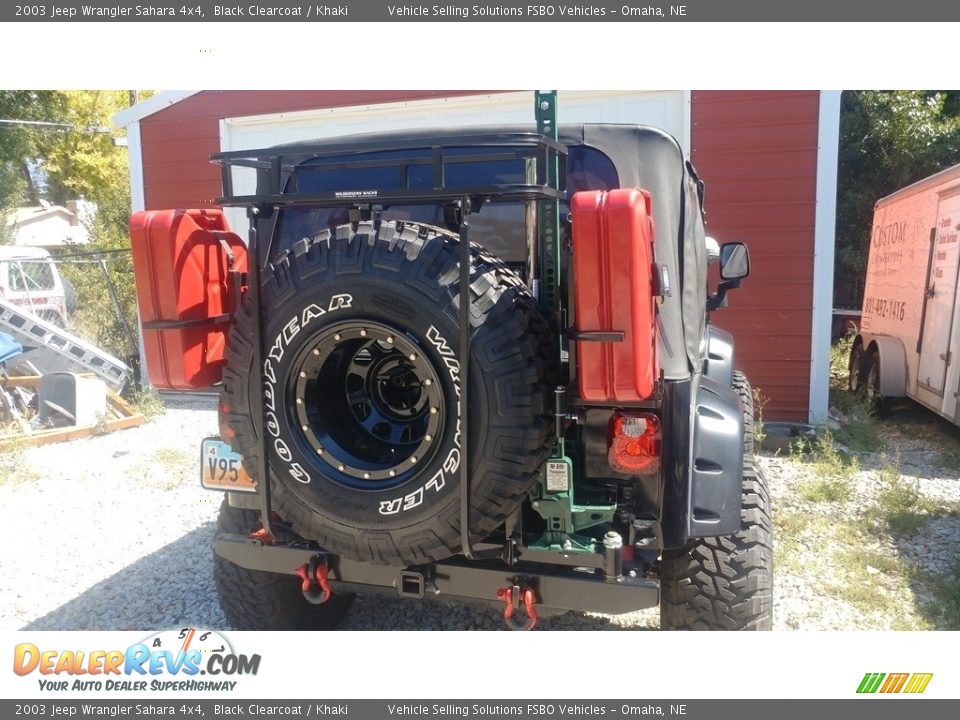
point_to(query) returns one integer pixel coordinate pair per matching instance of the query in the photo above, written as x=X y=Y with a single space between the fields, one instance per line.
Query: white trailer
x=909 y=341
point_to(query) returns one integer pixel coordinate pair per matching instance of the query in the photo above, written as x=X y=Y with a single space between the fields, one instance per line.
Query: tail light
x=634 y=443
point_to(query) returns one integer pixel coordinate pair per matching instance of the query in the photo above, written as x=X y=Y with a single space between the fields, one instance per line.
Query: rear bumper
x=556 y=589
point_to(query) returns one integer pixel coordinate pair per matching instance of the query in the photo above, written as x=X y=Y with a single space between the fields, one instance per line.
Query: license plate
x=222 y=469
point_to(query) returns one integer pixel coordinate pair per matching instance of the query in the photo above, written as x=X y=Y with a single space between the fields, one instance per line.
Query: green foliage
x=148 y=402
x=829 y=463
x=72 y=154
x=900 y=507
x=75 y=155
x=888 y=139
x=22 y=144
x=97 y=318
x=945 y=589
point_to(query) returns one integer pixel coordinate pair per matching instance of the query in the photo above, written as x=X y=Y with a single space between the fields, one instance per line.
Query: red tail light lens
x=634 y=443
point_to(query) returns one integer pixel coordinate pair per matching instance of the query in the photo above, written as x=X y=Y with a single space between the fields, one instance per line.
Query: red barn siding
x=178 y=140
x=757 y=153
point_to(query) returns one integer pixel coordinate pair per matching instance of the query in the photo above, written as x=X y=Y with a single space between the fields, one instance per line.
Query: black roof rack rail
x=279 y=169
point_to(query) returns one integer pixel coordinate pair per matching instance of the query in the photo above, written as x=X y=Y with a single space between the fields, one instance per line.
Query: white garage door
x=668 y=110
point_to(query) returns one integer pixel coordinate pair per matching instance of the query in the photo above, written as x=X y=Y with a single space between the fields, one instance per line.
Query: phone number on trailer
x=895 y=309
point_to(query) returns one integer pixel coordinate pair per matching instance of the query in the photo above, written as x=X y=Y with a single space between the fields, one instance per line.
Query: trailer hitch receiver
x=314 y=583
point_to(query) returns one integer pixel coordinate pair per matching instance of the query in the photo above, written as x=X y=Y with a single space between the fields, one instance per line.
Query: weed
x=833 y=470
x=760 y=400
x=100 y=424
x=840 y=359
x=148 y=402
x=171 y=459
x=14 y=467
x=825 y=490
x=900 y=507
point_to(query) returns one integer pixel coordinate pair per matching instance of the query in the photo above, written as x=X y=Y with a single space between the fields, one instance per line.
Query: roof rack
x=280 y=170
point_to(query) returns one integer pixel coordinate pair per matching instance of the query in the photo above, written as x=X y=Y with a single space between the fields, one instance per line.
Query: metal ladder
x=50 y=348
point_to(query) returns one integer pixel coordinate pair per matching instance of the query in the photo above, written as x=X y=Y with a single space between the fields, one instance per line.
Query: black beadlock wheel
x=255 y=600
x=726 y=583
x=362 y=386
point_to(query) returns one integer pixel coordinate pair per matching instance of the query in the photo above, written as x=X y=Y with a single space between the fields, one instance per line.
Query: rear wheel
x=362 y=390
x=255 y=600
x=726 y=583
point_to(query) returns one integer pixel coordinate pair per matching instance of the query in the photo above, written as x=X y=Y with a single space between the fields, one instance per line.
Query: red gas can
x=182 y=260
x=613 y=295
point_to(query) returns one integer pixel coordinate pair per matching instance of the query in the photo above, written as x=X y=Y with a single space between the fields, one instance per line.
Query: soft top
x=644 y=157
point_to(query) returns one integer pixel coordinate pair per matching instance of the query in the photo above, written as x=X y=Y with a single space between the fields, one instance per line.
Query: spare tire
x=362 y=386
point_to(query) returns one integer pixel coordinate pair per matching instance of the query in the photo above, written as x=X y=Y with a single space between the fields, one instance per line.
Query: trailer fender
x=716 y=463
x=719 y=363
x=893 y=362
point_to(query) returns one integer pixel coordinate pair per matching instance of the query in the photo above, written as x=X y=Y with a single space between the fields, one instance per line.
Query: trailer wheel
x=726 y=583
x=255 y=600
x=362 y=385
x=855 y=368
x=871 y=382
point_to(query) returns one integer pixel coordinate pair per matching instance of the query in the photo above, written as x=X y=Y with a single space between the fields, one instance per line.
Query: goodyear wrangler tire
x=726 y=583
x=255 y=600
x=361 y=385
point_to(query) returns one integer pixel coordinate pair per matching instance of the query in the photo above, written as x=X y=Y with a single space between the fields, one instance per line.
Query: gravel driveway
x=114 y=532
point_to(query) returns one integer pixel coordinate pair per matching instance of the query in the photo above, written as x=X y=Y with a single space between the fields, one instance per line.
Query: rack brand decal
x=914 y=683
x=183 y=653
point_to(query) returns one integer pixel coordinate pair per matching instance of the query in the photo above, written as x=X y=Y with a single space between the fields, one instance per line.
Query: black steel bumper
x=556 y=589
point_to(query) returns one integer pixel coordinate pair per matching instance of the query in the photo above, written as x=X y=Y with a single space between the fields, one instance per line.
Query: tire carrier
x=513 y=573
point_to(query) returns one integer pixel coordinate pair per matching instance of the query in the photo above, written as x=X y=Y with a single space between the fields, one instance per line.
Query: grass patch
x=945 y=590
x=900 y=508
x=14 y=467
x=834 y=470
x=171 y=459
x=148 y=403
x=840 y=558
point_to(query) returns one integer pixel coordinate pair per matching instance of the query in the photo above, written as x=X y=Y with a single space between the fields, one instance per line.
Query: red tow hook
x=262 y=536
x=315 y=585
x=514 y=596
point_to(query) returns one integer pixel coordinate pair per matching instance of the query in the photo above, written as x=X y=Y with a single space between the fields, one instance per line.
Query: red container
x=613 y=293
x=182 y=260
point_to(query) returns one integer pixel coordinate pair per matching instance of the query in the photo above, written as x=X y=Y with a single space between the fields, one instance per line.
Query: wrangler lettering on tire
x=362 y=390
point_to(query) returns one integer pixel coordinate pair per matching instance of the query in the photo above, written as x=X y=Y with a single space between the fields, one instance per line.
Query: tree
x=888 y=140
x=66 y=149
x=22 y=143
x=83 y=159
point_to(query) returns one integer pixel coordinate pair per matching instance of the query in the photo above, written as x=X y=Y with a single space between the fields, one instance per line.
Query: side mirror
x=734 y=267
x=734 y=261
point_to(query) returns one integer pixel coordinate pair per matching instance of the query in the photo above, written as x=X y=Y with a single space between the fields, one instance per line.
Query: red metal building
x=768 y=159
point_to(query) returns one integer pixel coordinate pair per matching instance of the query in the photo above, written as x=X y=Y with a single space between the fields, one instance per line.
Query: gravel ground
x=114 y=532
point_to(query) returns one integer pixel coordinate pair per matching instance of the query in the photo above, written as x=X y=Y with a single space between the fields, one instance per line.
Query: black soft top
x=644 y=157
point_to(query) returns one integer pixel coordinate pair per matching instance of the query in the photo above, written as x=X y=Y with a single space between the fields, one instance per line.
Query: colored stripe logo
x=913 y=683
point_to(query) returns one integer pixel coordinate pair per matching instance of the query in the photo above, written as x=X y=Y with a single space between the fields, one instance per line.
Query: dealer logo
x=183 y=654
x=910 y=683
